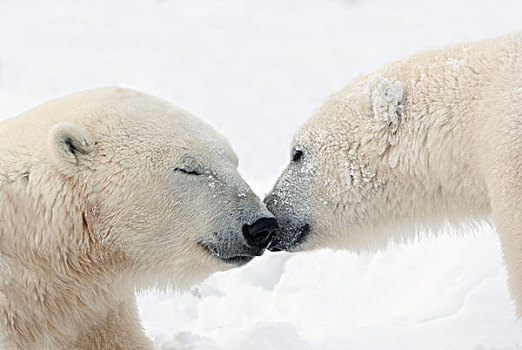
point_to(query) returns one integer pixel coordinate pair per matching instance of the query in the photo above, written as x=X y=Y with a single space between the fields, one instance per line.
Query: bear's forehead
x=340 y=121
x=126 y=119
x=152 y=119
x=315 y=138
x=193 y=132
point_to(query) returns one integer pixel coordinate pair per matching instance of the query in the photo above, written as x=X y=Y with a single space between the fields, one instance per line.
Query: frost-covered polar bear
x=432 y=138
x=103 y=192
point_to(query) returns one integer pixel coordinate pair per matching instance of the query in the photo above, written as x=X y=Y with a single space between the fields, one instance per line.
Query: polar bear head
x=335 y=182
x=127 y=179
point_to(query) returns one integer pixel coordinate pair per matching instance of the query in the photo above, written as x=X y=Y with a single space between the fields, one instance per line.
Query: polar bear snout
x=290 y=238
x=292 y=228
x=260 y=233
x=256 y=237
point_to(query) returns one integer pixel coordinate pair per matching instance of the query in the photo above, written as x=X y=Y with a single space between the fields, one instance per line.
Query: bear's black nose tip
x=260 y=233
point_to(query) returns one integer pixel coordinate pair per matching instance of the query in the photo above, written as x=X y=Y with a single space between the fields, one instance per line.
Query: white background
x=256 y=70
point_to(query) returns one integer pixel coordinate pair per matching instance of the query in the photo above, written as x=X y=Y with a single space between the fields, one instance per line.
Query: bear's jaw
x=233 y=258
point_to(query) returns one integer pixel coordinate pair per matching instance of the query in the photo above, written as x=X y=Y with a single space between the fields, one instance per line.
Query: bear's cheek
x=344 y=179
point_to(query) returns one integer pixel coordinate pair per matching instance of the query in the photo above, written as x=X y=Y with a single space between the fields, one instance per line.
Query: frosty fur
x=91 y=209
x=430 y=139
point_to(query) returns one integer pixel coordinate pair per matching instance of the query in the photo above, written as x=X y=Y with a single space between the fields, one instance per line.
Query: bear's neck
x=53 y=277
x=435 y=160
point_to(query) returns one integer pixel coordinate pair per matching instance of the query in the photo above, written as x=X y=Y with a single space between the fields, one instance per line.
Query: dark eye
x=187 y=171
x=297 y=156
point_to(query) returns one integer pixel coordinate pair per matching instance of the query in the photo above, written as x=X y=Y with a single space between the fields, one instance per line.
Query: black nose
x=260 y=233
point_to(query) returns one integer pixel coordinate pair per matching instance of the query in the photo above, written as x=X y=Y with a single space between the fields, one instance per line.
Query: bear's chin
x=233 y=258
x=237 y=260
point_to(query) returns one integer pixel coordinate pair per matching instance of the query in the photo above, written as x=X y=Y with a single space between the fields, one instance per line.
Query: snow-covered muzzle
x=289 y=201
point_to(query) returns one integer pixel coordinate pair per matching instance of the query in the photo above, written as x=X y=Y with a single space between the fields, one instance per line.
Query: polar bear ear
x=386 y=101
x=70 y=144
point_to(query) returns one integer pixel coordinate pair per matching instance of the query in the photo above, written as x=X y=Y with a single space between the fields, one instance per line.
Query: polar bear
x=430 y=139
x=104 y=192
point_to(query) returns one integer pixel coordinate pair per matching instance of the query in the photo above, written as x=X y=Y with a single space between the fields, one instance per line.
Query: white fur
x=432 y=138
x=386 y=100
x=91 y=208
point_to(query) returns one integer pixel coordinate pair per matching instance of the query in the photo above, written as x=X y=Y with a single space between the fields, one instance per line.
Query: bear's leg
x=507 y=215
x=505 y=190
x=121 y=329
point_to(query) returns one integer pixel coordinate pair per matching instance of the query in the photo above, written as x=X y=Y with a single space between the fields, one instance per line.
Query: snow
x=256 y=70
x=437 y=294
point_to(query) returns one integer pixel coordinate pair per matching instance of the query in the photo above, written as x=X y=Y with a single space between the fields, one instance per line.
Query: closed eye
x=187 y=171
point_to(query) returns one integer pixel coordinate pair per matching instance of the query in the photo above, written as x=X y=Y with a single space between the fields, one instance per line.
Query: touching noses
x=260 y=233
